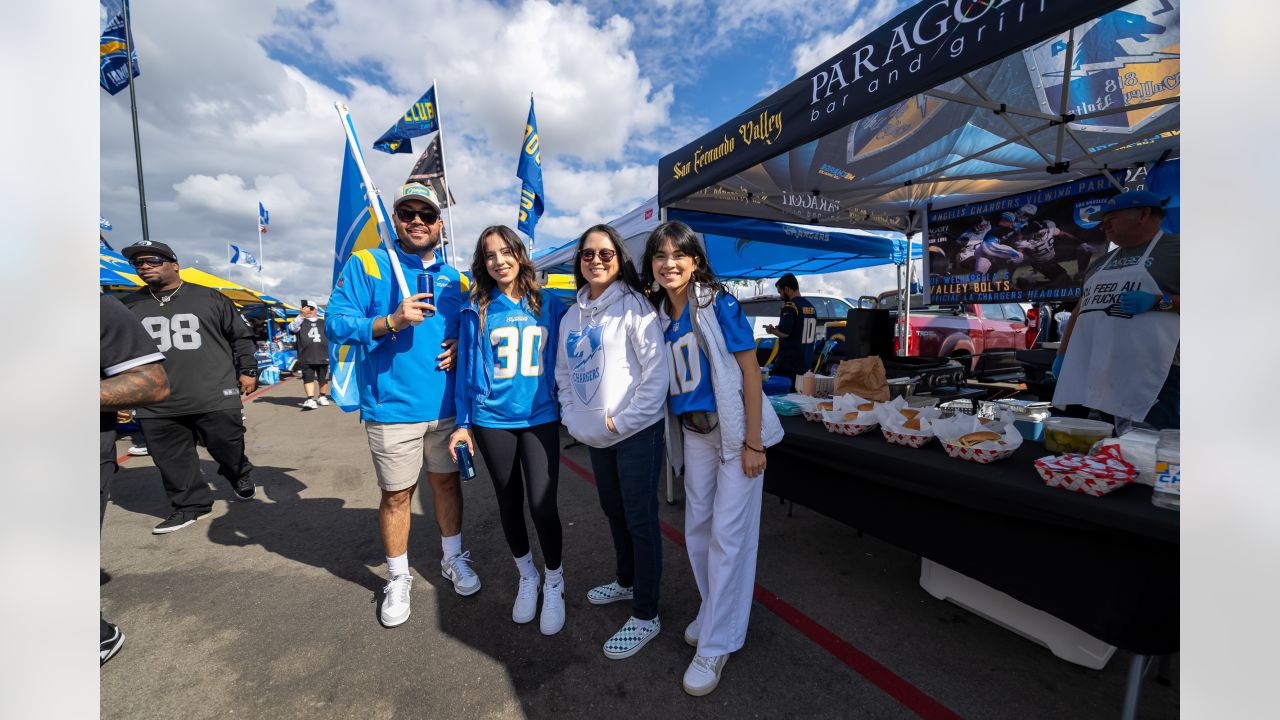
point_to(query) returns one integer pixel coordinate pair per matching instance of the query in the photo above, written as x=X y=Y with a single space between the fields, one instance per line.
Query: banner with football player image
x=1032 y=247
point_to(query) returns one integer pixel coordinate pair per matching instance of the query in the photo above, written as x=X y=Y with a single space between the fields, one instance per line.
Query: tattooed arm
x=135 y=387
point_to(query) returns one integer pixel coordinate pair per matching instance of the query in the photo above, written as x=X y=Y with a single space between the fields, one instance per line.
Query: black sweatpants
x=520 y=459
x=171 y=442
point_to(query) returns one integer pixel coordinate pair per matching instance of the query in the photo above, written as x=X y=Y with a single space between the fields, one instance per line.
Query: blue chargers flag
x=264 y=218
x=530 y=173
x=243 y=257
x=111 y=47
x=357 y=230
x=421 y=118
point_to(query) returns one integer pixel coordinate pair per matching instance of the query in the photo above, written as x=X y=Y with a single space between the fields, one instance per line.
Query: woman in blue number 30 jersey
x=505 y=394
x=718 y=416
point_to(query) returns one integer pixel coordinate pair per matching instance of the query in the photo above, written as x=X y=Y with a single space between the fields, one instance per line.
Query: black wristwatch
x=250 y=373
x=1165 y=303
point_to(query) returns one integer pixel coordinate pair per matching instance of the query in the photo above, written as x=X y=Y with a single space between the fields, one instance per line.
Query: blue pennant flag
x=264 y=218
x=112 y=64
x=421 y=118
x=243 y=257
x=530 y=173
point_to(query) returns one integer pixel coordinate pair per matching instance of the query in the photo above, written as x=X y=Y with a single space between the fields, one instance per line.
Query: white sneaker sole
x=139 y=453
x=393 y=623
x=175 y=528
x=699 y=692
x=690 y=640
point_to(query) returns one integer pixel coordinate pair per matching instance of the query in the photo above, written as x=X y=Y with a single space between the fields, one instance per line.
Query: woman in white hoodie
x=722 y=422
x=611 y=374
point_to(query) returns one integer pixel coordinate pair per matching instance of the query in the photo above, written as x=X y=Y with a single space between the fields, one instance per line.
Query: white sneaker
x=691 y=632
x=458 y=570
x=552 y=619
x=309 y=404
x=526 y=600
x=395 y=600
x=138 y=450
x=703 y=674
x=322 y=400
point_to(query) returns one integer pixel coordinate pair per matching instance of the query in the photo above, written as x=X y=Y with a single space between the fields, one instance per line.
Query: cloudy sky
x=235 y=104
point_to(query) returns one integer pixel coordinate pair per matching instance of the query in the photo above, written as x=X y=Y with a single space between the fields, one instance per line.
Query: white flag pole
x=262 y=282
x=385 y=230
x=453 y=239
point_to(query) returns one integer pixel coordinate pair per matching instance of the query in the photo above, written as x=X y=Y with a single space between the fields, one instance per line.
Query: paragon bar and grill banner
x=1032 y=247
x=924 y=46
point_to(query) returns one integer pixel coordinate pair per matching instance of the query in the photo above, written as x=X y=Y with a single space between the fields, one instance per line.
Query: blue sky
x=236 y=98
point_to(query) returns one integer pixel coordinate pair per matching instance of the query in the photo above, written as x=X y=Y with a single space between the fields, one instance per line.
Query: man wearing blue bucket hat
x=1119 y=354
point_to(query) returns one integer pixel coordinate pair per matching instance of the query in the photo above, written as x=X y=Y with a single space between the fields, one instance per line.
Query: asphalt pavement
x=267 y=609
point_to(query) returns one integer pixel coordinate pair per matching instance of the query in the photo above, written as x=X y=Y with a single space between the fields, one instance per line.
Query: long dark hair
x=683 y=240
x=626 y=268
x=483 y=283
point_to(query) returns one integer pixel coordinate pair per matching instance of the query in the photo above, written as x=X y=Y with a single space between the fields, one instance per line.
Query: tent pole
x=990 y=105
x=1007 y=120
x=1066 y=89
x=924 y=255
x=262 y=283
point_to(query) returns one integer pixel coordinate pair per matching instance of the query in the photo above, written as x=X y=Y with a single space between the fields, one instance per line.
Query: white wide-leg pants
x=722 y=534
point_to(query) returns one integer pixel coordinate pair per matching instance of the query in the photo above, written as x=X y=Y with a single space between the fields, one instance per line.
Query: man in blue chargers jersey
x=406 y=386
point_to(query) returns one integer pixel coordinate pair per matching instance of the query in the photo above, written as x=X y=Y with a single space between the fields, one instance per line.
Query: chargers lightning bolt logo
x=585 y=348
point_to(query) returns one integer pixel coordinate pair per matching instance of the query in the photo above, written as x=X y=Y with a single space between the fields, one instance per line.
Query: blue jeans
x=627 y=481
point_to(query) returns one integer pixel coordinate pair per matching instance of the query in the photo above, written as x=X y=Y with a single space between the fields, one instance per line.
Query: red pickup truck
x=957 y=331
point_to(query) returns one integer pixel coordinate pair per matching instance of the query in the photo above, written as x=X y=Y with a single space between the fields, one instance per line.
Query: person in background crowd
x=611 y=374
x=718 y=416
x=209 y=356
x=313 y=355
x=407 y=387
x=505 y=395
x=796 y=330
x=1120 y=351
x=129 y=376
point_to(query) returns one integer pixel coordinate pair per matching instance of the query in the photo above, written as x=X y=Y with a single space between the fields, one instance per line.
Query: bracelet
x=748 y=446
x=387 y=320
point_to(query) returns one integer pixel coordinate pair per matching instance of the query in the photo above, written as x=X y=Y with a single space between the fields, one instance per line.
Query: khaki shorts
x=400 y=450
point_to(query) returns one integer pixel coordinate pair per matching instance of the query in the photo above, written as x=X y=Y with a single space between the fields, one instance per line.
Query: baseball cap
x=148 y=247
x=417 y=191
x=308 y=304
x=1131 y=199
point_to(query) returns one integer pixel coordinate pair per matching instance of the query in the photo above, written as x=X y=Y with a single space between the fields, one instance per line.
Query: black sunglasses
x=427 y=216
x=605 y=255
x=149 y=261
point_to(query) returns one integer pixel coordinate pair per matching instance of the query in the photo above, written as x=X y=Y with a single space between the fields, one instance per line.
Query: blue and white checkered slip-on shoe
x=628 y=641
x=605 y=594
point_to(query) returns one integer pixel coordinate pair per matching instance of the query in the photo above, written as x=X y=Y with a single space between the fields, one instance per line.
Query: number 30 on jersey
x=517 y=348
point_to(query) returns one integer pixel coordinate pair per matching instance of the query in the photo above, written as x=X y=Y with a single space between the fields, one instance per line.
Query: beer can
x=427 y=284
x=466 y=466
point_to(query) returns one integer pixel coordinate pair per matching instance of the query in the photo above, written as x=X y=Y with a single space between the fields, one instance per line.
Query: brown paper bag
x=863 y=377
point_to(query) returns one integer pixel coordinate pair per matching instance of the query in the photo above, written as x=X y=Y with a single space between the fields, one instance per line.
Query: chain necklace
x=162 y=299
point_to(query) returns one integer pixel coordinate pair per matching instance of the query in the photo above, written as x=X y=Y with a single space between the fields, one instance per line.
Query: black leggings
x=531 y=455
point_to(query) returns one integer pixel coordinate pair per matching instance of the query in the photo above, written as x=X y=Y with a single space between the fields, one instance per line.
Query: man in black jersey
x=313 y=354
x=206 y=345
x=129 y=375
x=797 y=328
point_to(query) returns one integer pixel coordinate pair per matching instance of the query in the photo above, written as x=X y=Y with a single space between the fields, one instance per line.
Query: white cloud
x=807 y=55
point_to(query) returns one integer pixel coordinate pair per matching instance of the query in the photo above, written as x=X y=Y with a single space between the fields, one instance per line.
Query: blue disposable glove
x=1136 y=302
x=1057 y=366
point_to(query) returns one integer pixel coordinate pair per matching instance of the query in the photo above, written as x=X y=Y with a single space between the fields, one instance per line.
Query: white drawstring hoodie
x=612 y=362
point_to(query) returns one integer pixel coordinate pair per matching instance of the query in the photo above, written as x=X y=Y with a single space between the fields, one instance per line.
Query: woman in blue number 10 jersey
x=507 y=405
x=718 y=417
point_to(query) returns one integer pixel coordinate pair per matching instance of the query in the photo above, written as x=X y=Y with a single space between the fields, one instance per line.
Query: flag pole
x=262 y=282
x=133 y=110
x=385 y=230
x=453 y=239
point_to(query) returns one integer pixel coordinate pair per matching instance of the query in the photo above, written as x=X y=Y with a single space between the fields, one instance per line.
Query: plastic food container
x=1073 y=435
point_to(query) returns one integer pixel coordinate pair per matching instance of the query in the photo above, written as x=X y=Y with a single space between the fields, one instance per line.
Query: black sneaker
x=108 y=648
x=244 y=488
x=178 y=520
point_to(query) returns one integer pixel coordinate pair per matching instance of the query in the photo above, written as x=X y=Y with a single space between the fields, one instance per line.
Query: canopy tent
x=742 y=248
x=115 y=273
x=949 y=103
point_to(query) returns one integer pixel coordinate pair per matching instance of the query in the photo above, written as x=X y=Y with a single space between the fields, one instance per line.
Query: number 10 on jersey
x=517 y=348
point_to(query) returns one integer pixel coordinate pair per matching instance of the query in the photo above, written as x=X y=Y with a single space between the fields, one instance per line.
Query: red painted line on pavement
x=882 y=677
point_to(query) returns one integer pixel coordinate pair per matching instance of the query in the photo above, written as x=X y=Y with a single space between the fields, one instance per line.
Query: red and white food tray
x=977 y=454
x=1089 y=474
x=910 y=439
x=835 y=422
x=951 y=429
